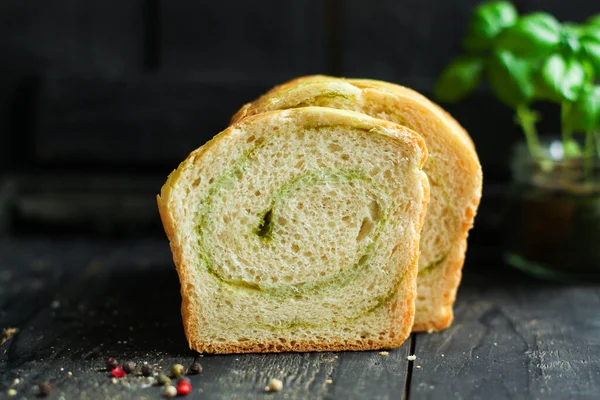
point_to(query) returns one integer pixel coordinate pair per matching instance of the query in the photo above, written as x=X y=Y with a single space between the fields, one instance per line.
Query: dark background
x=100 y=100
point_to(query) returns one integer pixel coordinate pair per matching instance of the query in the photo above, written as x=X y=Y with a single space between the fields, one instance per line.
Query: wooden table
x=76 y=302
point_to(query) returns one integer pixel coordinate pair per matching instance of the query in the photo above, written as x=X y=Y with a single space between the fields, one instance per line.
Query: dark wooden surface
x=77 y=301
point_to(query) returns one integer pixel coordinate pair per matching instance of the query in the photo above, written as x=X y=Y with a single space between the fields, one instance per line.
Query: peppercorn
x=177 y=370
x=129 y=366
x=45 y=389
x=184 y=388
x=111 y=363
x=170 y=391
x=275 y=385
x=163 y=379
x=146 y=370
x=118 y=372
x=195 y=368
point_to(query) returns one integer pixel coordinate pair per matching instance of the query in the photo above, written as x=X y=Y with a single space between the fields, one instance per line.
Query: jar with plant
x=554 y=200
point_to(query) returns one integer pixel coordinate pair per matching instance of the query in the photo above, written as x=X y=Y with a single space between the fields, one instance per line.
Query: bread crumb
x=384 y=353
x=418 y=367
x=11 y=392
x=430 y=330
x=412 y=357
x=275 y=385
x=114 y=381
x=328 y=381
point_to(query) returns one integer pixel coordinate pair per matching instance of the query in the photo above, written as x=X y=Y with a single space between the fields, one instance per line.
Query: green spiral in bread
x=298 y=230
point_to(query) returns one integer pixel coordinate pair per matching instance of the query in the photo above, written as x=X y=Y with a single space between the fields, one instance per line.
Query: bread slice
x=298 y=230
x=453 y=169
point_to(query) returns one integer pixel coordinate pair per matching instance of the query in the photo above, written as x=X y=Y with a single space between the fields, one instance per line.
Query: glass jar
x=553 y=216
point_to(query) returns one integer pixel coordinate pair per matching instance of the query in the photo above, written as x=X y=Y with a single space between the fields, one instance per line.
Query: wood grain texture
x=513 y=338
x=79 y=301
x=99 y=299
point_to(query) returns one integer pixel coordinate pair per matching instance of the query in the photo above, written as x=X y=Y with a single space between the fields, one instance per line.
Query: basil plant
x=532 y=58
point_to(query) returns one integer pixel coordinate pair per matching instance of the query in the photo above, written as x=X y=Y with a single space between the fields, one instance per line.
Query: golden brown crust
x=405 y=305
x=295 y=346
x=452 y=266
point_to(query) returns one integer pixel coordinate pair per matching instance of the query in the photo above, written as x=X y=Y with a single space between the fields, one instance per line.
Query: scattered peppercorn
x=170 y=391
x=163 y=379
x=118 y=372
x=275 y=385
x=195 y=368
x=129 y=367
x=146 y=370
x=177 y=370
x=45 y=389
x=111 y=363
x=184 y=388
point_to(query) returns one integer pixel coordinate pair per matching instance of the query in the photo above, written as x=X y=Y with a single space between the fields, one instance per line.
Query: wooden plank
x=106 y=37
x=113 y=300
x=131 y=121
x=513 y=338
x=266 y=42
x=306 y=375
x=122 y=299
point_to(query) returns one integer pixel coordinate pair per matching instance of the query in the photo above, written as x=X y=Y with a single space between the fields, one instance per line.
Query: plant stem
x=565 y=123
x=588 y=154
x=598 y=143
x=526 y=118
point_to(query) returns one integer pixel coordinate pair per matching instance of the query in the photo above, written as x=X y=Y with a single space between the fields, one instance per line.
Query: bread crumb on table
x=275 y=385
x=329 y=381
x=384 y=353
x=411 y=357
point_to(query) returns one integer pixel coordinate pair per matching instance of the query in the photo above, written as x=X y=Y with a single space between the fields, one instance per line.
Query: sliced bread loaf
x=298 y=230
x=453 y=169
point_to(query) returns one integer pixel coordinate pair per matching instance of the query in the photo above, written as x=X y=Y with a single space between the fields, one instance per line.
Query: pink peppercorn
x=184 y=388
x=118 y=372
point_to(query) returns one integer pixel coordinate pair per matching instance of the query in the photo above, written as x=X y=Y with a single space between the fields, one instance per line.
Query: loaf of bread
x=453 y=169
x=298 y=230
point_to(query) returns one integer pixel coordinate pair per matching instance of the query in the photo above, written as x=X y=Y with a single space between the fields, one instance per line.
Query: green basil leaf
x=459 y=79
x=532 y=36
x=511 y=79
x=487 y=21
x=569 y=39
x=574 y=28
x=563 y=76
x=585 y=112
x=594 y=20
x=571 y=149
x=591 y=54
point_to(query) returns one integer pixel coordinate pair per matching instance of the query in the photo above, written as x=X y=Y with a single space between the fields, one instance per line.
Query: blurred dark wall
x=132 y=86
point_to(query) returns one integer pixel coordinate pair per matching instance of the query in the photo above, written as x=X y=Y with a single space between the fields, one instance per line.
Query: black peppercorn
x=45 y=389
x=195 y=368
x=111 y=363
x=129 y=367
x=146 y=370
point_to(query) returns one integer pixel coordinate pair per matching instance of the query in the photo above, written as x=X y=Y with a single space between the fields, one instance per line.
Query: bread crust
x=404 y=301
x=451 y=268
